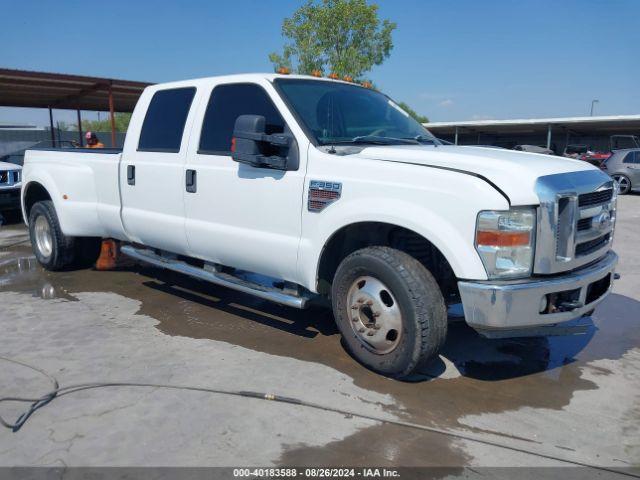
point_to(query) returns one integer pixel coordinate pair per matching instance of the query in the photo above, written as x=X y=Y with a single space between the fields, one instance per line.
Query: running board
x=219 y=278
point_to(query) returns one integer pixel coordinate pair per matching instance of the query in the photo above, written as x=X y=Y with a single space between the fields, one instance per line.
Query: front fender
x=453 y=235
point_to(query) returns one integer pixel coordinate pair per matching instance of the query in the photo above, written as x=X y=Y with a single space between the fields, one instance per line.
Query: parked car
x=585 y=153
x=336 y=194
x=534 y=149
x=624 y=168
x=10 y=183
x=595 y=158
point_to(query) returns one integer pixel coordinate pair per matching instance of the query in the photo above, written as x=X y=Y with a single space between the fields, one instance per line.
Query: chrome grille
x=584 y=224
x=9 y=177
x=585 y=248
x=575 y=220
x=595 y=198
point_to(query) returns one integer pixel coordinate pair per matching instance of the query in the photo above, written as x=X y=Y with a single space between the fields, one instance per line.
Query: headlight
x=505 y=242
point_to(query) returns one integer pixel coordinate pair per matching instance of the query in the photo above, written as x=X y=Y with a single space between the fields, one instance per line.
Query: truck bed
x=84 y=187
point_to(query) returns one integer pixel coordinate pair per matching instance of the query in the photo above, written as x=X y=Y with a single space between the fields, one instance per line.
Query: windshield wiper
x=377 y=140
x=426 y=139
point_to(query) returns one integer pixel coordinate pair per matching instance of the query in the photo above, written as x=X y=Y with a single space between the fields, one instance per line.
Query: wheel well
x=368 y=234
x=35 y=193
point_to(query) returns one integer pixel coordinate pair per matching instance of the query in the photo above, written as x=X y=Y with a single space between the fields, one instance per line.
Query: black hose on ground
x=57 y=391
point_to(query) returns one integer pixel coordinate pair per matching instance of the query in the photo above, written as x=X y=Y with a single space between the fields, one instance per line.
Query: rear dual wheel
x=389 y=310
x=53 y=249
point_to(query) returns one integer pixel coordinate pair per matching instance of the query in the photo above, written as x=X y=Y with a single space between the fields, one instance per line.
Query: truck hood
x=515 y=173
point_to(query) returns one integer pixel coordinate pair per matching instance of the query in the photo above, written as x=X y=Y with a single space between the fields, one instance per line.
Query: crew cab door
x=152 y=169
x=239 y=215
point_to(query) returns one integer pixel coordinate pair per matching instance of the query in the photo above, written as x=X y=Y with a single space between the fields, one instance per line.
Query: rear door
x=152 y=173
x=239 y=215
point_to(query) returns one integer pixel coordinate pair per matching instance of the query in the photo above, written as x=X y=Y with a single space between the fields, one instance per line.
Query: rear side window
x=164 y=122
x=226 y=104
x=631 y=158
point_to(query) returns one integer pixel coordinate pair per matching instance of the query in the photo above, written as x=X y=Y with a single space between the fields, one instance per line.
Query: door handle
x=191 y=181
x=131 y=174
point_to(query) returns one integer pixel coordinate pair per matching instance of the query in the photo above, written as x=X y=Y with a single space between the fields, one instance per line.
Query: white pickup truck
x=329 y=190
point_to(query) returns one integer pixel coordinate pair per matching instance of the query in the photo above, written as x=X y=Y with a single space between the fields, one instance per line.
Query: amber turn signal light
x=493 y=238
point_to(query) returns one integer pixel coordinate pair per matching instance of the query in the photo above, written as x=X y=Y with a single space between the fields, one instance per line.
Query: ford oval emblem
x=602 y=221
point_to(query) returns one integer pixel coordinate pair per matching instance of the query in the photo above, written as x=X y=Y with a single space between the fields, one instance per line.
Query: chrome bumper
x=515 y=305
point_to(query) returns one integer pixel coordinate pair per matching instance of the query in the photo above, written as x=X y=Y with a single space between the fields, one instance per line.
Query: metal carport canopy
x=22 y=88
x=605 y=124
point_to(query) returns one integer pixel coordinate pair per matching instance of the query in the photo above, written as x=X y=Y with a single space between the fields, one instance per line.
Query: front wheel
x=624 y=184
x=389 y=309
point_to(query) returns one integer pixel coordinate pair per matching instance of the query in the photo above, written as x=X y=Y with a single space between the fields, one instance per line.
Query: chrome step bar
x=219 y=278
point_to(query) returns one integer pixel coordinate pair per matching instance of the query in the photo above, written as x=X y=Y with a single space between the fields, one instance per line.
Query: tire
x=53 y=249
x=413 y=307
x=624 y=183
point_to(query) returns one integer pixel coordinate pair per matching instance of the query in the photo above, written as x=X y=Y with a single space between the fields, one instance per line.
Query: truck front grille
x=585 y=248
x=595 y=198
x=575 y=221
x=584 y=224
x=9 y=177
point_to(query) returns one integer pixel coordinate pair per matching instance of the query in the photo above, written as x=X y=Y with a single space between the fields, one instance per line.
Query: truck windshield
x=339 y=113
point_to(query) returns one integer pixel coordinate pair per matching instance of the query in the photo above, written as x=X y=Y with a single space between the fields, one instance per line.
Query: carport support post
x=53 y=137
x=112 y=118
x=79 y=127
x=456 y=137
x=549 y=136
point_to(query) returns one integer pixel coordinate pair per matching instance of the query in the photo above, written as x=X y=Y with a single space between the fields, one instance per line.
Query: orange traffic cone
x=109 y=254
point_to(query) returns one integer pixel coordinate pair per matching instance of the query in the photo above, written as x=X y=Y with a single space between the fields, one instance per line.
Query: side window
x=227 y=103
x=637 y=159
x=629 y=158
x=164 y=122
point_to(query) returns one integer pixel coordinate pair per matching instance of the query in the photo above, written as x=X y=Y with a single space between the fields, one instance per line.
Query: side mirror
x=251 y=145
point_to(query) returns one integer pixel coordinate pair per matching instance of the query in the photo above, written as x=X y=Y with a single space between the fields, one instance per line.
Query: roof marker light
x=284 y=71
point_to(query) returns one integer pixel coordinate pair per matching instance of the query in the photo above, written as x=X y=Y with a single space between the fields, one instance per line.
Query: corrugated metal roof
x=22 y=88
x=537 y=121
x=603 y=124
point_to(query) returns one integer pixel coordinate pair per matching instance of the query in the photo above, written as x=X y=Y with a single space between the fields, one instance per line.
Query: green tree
x=413 y=113
x=121 y=121
x=344 y=37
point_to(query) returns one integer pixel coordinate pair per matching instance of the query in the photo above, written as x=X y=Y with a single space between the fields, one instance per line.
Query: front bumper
x=10 y=198
x=492 y=306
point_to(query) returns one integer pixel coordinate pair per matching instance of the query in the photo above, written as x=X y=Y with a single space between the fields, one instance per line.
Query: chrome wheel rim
x=374 y=315
x=623 y=183
x=42 y=232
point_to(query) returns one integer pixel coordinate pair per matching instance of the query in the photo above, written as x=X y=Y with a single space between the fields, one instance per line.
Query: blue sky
x=452 y=60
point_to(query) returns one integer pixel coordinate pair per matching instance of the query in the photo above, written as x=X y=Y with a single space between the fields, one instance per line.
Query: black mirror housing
x=253 y=146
